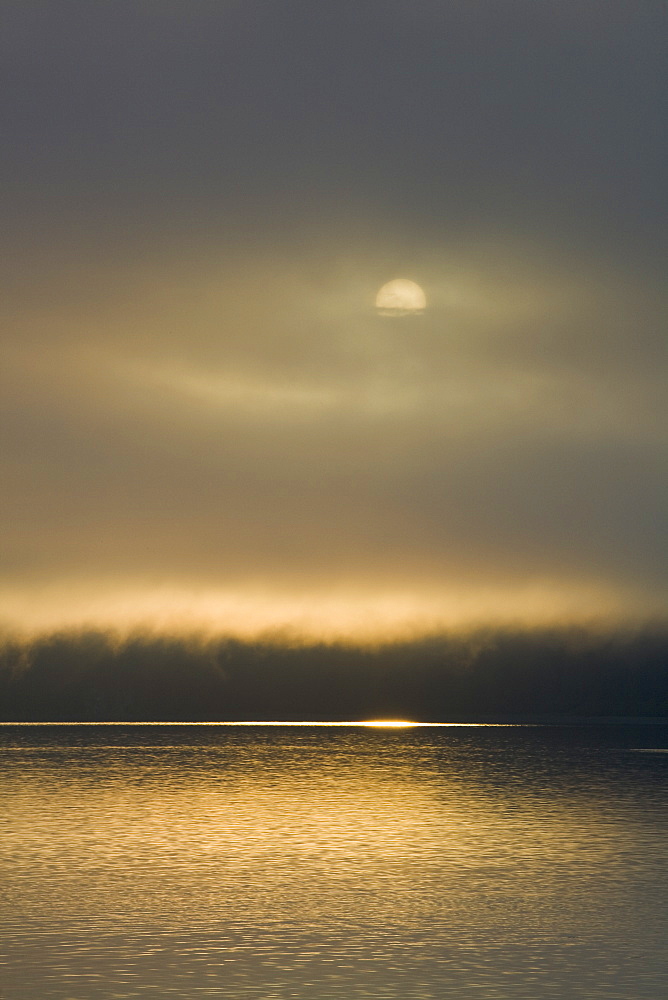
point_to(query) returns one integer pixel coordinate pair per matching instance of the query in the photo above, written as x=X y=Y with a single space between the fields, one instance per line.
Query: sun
x=400 y=297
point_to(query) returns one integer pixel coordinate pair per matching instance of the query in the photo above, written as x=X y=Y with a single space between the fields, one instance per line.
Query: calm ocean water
x=206 y=861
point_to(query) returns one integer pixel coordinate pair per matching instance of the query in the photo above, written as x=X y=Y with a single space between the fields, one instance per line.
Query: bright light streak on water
x=364 y=723
x=366 y=860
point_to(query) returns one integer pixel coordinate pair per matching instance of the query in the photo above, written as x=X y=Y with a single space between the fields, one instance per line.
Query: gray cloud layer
x=199 y=394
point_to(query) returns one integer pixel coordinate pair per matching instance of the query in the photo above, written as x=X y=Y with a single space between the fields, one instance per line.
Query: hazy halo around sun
x=400 y=297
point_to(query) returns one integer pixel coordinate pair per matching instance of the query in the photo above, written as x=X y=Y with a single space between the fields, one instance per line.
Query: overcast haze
x=205 y=421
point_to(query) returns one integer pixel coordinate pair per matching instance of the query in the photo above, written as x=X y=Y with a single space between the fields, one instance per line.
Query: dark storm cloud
x=202 y=201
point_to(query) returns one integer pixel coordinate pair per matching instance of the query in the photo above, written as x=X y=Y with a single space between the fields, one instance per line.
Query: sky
x=206 y=423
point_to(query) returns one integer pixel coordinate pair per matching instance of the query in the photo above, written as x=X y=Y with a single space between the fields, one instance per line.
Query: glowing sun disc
x=400 y=297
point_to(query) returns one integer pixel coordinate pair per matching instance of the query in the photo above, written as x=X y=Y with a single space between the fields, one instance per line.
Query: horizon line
x=350 y=723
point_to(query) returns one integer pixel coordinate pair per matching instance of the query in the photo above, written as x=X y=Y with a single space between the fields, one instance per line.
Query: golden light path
x=364 y=724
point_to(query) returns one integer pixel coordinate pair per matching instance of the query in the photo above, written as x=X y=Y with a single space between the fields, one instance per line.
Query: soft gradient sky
x=204 y=420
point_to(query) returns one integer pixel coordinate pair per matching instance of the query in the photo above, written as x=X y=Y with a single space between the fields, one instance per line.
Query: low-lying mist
x=94 y=676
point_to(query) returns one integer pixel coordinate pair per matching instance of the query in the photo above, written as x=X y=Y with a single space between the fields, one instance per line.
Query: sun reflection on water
x=259 y=863
x=389 y=723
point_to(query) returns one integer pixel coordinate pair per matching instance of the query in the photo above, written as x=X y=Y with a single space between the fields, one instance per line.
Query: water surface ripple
x=477 y=864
